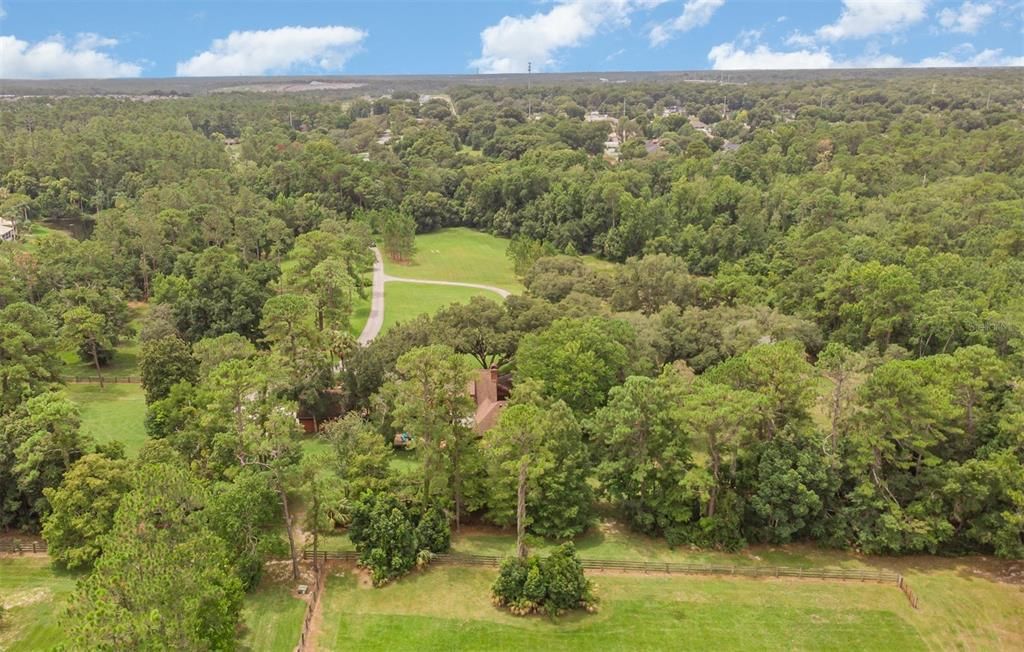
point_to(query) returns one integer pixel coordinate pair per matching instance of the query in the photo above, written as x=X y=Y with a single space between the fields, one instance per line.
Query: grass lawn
x=406 y=301
x=461 y=255
x=114 y=413
x=33 y=595
x=125 y=363
x=962 y=606
x=611 y=540
x=448 y=608
x=272 y=617
x=126 y=354
x=360 y=312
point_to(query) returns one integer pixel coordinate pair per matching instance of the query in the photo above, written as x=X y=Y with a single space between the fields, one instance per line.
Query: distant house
x=8 y=230
x=596 y=116
x=330 y=409
x=490 y=392
x=652 y=146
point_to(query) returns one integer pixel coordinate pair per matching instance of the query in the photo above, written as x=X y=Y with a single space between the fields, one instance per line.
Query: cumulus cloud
x=965 y=55
x=800 y=40
x=730 y=56
x=696 y=13
x=55 y=58
x=967 y=19
x=276 y=51
x=508 y=46
x=740 y=56
x=863 y=18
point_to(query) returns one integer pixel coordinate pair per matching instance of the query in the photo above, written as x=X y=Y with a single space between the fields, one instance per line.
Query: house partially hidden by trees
x=490 y=393
x=8 y=230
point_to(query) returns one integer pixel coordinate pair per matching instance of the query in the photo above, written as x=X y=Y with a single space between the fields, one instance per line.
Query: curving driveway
x=376 y=319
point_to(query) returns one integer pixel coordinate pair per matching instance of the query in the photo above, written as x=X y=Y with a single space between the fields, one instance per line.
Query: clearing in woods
x=447 y=608
x=969 y=603
x=113 y=413
x=461 y=255
x=33 y=596
x=406 y=301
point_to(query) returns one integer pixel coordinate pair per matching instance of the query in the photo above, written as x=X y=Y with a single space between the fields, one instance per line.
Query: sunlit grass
x=448 y=608
x=461 y=255
x=113 y=413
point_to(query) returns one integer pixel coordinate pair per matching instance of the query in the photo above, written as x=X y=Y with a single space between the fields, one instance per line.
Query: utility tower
x=529 y=88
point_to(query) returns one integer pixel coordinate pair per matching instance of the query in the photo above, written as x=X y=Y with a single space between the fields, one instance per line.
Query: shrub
x=384 y=535
x=433 y=531
x=567 y=588
x=554 y=584
x=389 y=541
x=511 y=578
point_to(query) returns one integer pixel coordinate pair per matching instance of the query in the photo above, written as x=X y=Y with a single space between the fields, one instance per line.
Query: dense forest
x=808 y=325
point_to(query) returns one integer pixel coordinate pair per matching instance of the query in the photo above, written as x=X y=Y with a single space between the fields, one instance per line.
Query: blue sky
x=163 y=38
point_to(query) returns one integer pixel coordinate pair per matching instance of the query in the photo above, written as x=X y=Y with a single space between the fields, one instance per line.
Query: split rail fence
x=676 y=568
x=22 y=547
x=113 y=380
x=314 y=598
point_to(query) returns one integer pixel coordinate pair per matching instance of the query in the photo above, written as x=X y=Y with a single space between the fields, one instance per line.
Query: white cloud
x=727 y=56
x=696 y=13
x=276 y=50
x=508 y=46
x=93 y=41
x=967 y=19
x=863 y=18
x=53 y=58
x=733 y=56
x=800 y=40
x=966 y=56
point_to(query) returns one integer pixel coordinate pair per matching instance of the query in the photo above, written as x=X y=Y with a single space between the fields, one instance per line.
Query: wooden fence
x=22 y=547
x=674 y=568
x=907 y=591
x=113 y=380
x=319 y=579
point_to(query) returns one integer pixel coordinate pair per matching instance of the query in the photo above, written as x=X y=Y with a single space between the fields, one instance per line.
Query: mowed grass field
x=449 y=608
x=462 y=255
x=406 y=301
x=113 y=413
x=272 y=618
x=360 y=312
x=33 y=594
x=966 y=604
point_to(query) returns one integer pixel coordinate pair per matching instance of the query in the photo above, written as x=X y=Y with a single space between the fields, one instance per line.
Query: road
x=376 y=319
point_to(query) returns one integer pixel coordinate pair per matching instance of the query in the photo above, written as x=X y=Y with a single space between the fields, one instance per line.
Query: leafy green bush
x=433 y=531
x=389 y=540
x=384 y=535
x=554 y=584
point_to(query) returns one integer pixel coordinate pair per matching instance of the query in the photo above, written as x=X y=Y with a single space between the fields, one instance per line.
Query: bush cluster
x=553 y=584
x=391 y=540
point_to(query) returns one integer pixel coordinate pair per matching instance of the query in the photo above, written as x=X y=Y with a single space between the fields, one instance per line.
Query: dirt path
x=317 y=619
x=376 y=319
